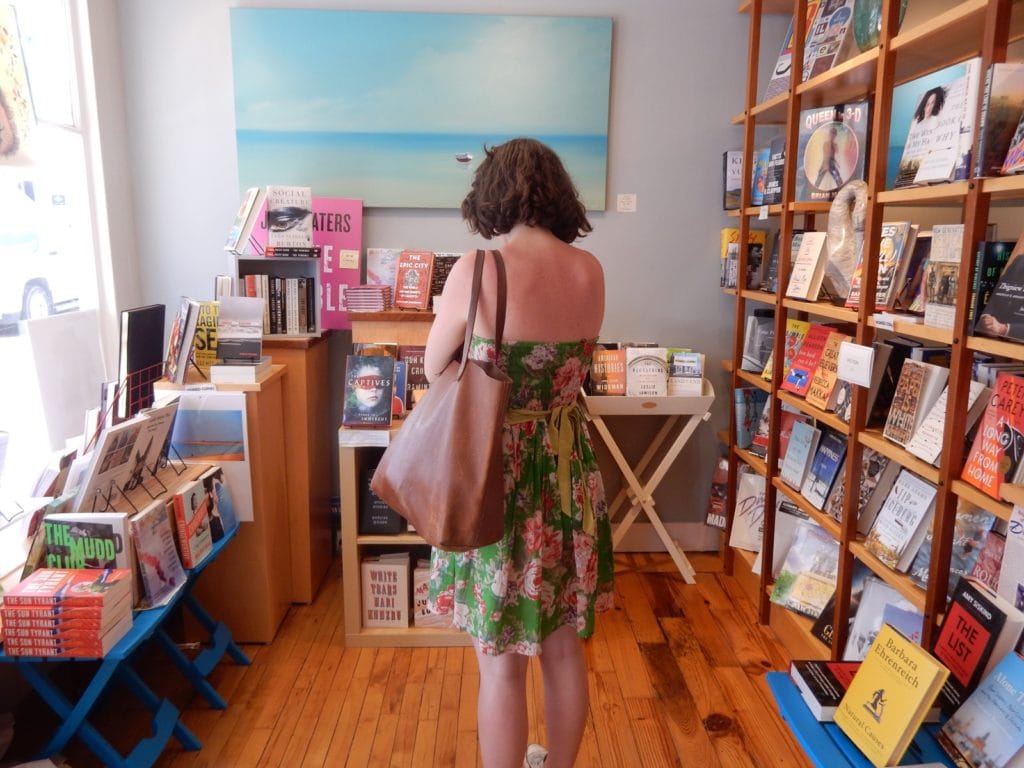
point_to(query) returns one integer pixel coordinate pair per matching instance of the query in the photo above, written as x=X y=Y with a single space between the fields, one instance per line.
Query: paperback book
x=289 y=216
x=369 y=386
x=999 y=440
x=832 y=149
x=152 y=532
x=192 y=523
x=902 y=521
x=808 y=575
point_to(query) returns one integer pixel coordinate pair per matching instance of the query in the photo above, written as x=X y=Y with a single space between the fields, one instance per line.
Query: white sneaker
x=535 y=756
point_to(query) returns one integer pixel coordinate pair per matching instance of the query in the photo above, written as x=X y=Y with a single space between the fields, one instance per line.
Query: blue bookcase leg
x=190 y=671
x=219 y=632
x=136 y=685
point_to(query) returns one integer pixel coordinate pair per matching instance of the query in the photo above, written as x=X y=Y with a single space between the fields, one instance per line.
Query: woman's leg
x=501 y=709
x=566 y=697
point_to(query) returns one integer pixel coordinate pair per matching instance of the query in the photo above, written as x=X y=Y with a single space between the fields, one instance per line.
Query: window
x=47 y=259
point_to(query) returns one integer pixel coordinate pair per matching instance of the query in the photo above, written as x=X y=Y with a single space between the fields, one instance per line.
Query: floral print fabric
x=546 y=571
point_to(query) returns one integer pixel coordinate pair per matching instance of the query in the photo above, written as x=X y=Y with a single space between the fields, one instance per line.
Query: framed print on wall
x=396 y=108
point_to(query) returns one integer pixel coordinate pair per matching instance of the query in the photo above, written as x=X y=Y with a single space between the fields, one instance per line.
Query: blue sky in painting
x=349 y=71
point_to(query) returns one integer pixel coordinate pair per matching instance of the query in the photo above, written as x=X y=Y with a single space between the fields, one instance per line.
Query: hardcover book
x=822 y=684
x=808 y=575
x=971 y=639
x=338 y=232
x=87 y=540
x=999 y=440
x=415 y=373
x=832 y=149
x=830 y=38
x=1014 y=160
x=926 y=443
x=775 y=171
x=179 y=344
x=646 y=371
x=608 y=372
x=942 y=275
x=759 y=175
x=382 y=266
x=385 y=587
x=289 y=216
x=192 y=523
x=110 y=466
x=990 y=560
x=782 y=73
x=152 y=533
x=421 y=613
x=987 y=730
x=889 y=697
x=245 y=220
x=412 y=279
x=803 y=442
x=824 y=626
x=902 y=521
x=1011 y=569
x=715 y=515
x=970 y=527
x=369 y=387
x=204 y=343
x=877 y=475
x=808 y=268
x=990 y=259
x=757 y=241
x=748 y=516
x=1003 y=315
x=919 y=386
x=748 y=405
x=795 y=332
x=826 y=465
x=375 y=516
x=821 y=392
x=1001 y=108
x=443 y=263
x=85 y=587
x=140 y=356
x=732 y=178
x=223 y=518
x=894 y=250
x=806 y=359
x=867 y=619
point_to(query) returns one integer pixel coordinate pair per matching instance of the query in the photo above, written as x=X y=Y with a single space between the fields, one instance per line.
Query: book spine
x=312 y=306
x=979 y=256
x=278 y=251
x=979 y=152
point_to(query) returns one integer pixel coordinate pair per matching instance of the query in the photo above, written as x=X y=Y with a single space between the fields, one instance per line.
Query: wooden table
x=681 y=417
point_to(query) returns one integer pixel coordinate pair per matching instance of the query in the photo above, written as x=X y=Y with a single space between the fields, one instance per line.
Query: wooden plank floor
x=676 y=679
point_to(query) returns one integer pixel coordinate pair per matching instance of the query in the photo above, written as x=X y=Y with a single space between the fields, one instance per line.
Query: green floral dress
x=553 y=567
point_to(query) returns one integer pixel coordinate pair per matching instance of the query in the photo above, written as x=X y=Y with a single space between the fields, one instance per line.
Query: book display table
x=681 y=417
x=117 y=665
x=825 y=743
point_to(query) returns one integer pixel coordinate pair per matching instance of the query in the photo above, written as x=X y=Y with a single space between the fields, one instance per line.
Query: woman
x=534 y=592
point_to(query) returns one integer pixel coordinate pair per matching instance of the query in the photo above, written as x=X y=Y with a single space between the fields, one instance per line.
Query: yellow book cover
x=795 y=332
x=206 y=336
x=889 y=697
x=823 y=380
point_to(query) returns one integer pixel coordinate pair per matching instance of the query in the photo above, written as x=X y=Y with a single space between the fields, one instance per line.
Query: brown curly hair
x=524 y=182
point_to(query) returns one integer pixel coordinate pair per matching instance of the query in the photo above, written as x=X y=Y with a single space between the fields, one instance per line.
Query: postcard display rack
x=148 y=626
x=934 y=34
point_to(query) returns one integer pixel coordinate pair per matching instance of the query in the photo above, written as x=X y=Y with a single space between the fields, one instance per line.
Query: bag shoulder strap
x=499 y=311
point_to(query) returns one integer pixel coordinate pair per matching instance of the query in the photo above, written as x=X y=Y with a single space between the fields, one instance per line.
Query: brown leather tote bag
x=443 y=468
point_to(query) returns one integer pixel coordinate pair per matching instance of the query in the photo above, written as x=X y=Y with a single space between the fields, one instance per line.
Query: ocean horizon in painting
x=395 y=109
x=399 y=170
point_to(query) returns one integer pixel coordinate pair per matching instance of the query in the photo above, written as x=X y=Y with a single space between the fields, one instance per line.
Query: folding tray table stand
x=682 y=416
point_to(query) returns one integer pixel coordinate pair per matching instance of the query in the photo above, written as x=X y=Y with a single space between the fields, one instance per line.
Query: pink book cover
x=338 y=230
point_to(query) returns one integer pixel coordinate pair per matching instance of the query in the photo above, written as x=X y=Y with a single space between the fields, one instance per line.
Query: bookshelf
x=934 y=34
x=283 y=267
x=405 y=327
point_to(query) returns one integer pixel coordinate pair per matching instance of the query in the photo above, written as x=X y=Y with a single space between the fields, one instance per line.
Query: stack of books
x=240 y=358
x=81 y=612
x=368 y=298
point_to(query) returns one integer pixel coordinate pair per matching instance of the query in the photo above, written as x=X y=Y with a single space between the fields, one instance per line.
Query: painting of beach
x=395 y=109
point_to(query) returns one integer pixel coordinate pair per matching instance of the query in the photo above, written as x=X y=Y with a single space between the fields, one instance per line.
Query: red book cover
x=412 y=279
x=999 y=441
x=24 y=627
x=84 y=587
x=806 y=360
x=990 y=560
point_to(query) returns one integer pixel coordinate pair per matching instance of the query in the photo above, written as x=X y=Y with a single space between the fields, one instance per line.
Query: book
x=902 y=521
x=866 y=621
x=822 y=684
x=978 y=629
x=999 y=440
x=987 y=729
x=774 y=171
x=941 y=275
x=152 y=535
x=385 y=590
x=223 y=517
x=877 y=474
x=245 y=373
x=381 y=266
x=825 y=466
x=795 y=332
x=787 y=523
x=894 y=249
x=608 y=372
x=192 y=522
x=748 y=514
x=1014 y=160
x=204 y=343
x=87 y=540
x=970 y=527
x=929 y=114
x=108 y=467
x=412 y=279
x=1003 y=313
x=375 y=516
x=926 y=442
x=245 y=220
x=685 y=374
x=179 y=343
x=889 y=697
x=646 y=371
x=715 y=514
x=748 y=405
x=806 y=359
x=759 y=174
x=762 y=433
x=338 y=231
x=808 y=267
x=919 y=386
x=989 y=562
x=369 y=387
x=422 y=616
x=240 y=329
x=989 y=261
x=830 y=39
x=153 y=442
x=443 y=263
x=64 y=587
x=140 y=354
x=824 y=626
x=821 y=391
x=803 y=442
x=779 y=82
x=732 y=178
x=832 y=146
x=80 y=644
x=1011 y=568
x=889 y=356
x=1001 y=108
x=415 y=373
x=289 y=216
x=808 y=575
x=910 y=296
x=758 y=340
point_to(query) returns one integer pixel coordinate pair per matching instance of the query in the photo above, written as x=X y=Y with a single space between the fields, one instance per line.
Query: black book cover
x=141 y=357
x=375 y=516
x=1003 y=315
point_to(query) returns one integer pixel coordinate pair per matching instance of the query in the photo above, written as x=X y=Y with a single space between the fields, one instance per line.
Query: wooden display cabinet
x=308 y=458
x=934 y=34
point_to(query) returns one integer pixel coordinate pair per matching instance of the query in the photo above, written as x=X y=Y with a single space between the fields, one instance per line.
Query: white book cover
x=941 y=275
x=867 y=619
x=808 y=267
x=920 y=385
x=748 y=518
x=381 y=266
x=807 y=578
x=902 y=521
x=1011 y=572
x=162 y=574
x=803 y=441
x=787 y=520
x=926 y=443
x=647 y=371
x=421 y=615
x=152 y=443
x=110 y=466
x=385 y=588
x=289 y=216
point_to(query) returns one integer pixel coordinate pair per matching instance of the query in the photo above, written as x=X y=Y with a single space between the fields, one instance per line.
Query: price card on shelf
x=855 y=363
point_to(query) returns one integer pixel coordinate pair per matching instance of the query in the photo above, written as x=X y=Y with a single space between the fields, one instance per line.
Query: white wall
x=677 y=73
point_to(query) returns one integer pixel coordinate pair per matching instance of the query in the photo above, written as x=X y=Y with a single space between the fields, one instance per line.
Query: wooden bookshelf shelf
x=762 y=297
x=771 y=112
x=753 y=461
x=819 y=517
x=853 y=80
x=824 y=417
x=1010 y=349
x=1013 y=493
x=773 y=210
x=919 y=331
x=822 y=309
x=754 y=380
x=873 y=439
x=898 y=581
x=1002 y=188
x=952 y=193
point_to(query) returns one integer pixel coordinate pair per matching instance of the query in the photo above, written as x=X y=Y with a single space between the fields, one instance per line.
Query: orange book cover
x=412 y=279
x=806 y=359
x=820 y=392
x=999 y=441
x=608 y=372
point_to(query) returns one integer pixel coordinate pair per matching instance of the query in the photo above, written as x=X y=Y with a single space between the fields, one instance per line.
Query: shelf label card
x=762 y=215
x=348 y=259
x=855 y=363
